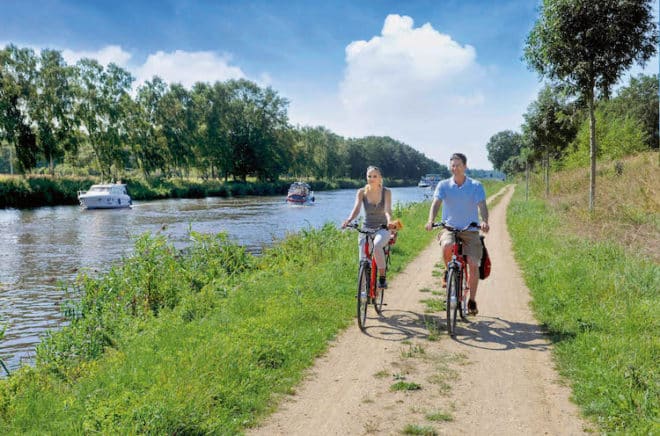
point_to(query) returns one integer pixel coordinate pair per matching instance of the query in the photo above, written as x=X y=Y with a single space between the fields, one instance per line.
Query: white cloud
x=187 y=68
x=419 y=86
x=109 y=54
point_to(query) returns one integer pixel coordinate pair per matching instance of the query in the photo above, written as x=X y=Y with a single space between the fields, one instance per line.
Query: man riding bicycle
x=464 y=200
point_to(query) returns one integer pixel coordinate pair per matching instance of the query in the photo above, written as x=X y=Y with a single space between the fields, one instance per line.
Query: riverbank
x=37 y=191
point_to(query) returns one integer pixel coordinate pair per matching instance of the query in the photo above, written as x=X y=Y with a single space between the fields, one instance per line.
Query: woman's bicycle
x=457 y=278
x=368 y=291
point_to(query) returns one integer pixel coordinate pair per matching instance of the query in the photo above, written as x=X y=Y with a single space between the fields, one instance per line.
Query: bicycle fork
x=364 y=294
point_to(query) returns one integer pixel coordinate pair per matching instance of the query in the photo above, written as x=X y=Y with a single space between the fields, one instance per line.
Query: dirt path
x=496 y=378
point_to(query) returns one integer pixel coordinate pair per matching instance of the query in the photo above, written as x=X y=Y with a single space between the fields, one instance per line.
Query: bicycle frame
x=457 y=266
x=368 y=292
x=369 y=254
x=458 y=263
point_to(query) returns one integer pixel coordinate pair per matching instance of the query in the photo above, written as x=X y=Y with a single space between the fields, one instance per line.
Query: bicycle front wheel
x=378 y=300
x=453 y=289
x=364 y=276
x=464 y=296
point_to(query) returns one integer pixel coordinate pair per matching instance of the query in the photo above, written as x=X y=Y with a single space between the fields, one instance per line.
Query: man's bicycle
x=457 y=278
x=368 y=291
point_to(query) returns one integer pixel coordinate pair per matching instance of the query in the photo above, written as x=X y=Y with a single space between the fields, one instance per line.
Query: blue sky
x=441 y=76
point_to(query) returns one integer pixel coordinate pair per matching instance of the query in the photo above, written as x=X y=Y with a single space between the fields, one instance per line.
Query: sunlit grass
x=597 y=295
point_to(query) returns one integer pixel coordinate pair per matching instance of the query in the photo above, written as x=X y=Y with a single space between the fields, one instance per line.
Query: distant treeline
x=84 y=119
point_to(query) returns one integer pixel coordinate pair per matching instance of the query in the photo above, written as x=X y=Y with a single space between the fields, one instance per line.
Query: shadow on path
x=491 y=333
x=497 y=334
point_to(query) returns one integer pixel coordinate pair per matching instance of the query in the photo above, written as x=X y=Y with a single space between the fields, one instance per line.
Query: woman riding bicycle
x=464 y=199
x=377 y=201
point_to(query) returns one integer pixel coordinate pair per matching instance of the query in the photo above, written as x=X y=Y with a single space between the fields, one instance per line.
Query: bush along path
x=405 y=375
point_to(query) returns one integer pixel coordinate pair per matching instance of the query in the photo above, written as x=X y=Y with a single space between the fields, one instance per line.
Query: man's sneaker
x=382 y=283
x=472 y=307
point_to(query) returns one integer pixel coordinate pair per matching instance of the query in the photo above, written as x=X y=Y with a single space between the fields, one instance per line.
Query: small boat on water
x=300 y=193
x=429 y=181
x=105 y=196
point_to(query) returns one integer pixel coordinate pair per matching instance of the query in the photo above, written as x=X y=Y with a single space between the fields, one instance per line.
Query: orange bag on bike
x=484 y=266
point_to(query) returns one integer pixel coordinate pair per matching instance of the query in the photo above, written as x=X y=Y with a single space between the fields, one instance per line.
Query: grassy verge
x=600 y=303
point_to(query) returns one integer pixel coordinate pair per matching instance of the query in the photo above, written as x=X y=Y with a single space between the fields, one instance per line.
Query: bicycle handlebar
x=366 y=232
x=454 y=229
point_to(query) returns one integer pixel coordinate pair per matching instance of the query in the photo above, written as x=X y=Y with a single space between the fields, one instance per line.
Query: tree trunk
x=592 y=152
x=526 y=180
x=547 y=173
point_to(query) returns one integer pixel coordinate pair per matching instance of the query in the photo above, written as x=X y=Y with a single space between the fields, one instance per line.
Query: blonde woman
x=377 y=202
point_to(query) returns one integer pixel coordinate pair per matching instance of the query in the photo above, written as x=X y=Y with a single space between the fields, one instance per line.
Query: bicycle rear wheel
x=453 y=289
x=363 y=294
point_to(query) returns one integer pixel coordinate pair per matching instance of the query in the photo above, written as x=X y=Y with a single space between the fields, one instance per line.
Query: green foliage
x=40 y=191
x=639 y=99
x=502 y=146
x=618 y=136
x=601 y=305
x=84 y=119
x=580 y=45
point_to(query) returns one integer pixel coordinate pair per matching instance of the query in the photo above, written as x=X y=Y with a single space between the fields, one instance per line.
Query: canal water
x=42 y=249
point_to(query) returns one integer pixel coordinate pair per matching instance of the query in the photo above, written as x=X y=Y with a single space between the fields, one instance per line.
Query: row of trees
x=85 y=118
x=583 y=48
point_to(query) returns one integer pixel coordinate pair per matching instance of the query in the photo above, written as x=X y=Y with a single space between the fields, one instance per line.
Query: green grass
x=416 y=429
x=405 y=386
x=600 y=303
x=439 y=416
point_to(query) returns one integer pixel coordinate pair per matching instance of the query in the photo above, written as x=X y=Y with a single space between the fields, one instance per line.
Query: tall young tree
x=587 y=45
x=102 y=106
x=150 y=145
x=254 y=122
x=172 y=114
x=52 y=107
x=18 y=70
x=549 y=121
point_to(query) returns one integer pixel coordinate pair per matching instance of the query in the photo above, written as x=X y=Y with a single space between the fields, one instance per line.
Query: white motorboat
x=105 y=196
x=429 y=181
x=300 y=193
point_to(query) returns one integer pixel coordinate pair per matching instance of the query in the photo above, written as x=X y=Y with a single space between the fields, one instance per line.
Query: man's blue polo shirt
x=459 y=203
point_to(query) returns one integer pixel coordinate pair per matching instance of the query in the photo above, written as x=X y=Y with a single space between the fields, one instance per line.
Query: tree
x=640 y=99
x=149 y=142
x=101 y=108
x=255 y=120
x=52 y=107
x=173 y=117
x=502 y=146
x=548 y=121
x=18 y=69
x=587 y=45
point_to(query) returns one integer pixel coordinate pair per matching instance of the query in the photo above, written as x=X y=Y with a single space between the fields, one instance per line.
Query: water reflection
x=41 y=249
